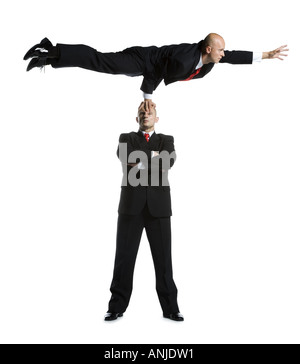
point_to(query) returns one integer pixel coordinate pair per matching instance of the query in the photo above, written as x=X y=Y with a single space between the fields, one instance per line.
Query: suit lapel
x=142 y=140
x=153 y=139
x=204 y=70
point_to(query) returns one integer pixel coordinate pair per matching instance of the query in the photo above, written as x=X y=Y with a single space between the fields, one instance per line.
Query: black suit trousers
x=130 y=62
x=129 y=232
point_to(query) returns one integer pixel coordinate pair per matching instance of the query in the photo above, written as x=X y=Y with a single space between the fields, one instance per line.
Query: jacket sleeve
x=123 y=153
x=167 y=145
x=150 y=83
x=127 y=148
x=237 y=57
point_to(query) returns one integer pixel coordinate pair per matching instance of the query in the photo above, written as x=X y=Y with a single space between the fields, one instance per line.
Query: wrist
x=266 y=55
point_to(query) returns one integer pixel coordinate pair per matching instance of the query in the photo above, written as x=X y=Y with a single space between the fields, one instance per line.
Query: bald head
x=211 y=39
x=146 y=119
x=213 y=48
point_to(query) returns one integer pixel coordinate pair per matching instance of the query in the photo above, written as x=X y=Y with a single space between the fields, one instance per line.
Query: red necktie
x=147 y=136
x=193 y=74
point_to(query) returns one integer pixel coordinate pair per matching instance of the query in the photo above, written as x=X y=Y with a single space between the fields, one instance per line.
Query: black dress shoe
x=33 y=52
x=38 y=62
x=177 y=316
x=110 y=316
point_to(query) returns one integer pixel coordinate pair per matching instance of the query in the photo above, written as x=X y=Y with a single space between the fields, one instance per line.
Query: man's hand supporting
x=148 y=104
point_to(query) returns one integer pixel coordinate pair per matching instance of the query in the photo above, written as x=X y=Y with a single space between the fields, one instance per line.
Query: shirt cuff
x=257 y=57
x=147 y=96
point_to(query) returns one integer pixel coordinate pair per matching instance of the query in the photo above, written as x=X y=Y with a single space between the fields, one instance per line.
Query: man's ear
x=156 y=119
x=208 y=49
x=137 y=119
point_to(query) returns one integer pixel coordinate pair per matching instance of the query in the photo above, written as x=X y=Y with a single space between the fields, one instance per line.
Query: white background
x=235 y=185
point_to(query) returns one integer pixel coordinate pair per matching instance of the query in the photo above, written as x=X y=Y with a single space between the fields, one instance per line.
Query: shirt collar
x=150 y=132
x=200 y=63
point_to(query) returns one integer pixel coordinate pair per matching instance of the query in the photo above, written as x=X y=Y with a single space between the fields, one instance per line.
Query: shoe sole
x=109 y=319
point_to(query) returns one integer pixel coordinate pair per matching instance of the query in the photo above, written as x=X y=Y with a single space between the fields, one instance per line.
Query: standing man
x=145 y=203
x=171 y=63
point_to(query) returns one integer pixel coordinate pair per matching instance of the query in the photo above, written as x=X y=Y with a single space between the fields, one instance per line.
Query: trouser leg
x=159 y=235
x=130 y=62
x=129 y=232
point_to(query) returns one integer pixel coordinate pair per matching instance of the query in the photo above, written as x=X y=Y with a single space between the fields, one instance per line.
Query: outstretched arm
x=277 y=53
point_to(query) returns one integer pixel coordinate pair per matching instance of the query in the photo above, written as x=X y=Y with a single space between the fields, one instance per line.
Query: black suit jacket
x=158 y=197
x=169 y=63
x=177 y=62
